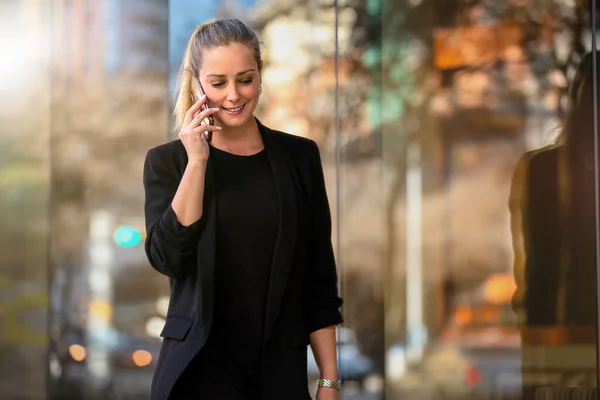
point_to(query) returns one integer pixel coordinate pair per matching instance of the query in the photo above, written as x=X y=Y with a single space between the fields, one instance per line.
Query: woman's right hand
x=193 y=132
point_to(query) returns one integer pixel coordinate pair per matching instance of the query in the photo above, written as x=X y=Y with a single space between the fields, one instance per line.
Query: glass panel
x=460 y=212
x=362 y=209
x=109 y=86
x=24 y=198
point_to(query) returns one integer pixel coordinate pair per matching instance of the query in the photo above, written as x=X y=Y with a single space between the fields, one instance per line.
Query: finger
x=205 y=142
x=189 y=115
x=205 y=128
x=201 y=115
x=203 y=109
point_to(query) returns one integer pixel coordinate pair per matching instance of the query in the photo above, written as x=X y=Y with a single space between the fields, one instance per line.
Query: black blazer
x=303 y=295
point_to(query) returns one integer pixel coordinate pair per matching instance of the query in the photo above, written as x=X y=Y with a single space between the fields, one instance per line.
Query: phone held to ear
x=210 y=119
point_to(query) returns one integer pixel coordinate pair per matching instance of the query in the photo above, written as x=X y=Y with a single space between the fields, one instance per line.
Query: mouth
x=235 y=110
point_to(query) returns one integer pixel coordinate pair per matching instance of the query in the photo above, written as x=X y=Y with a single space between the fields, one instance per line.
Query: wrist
x=197 y=163
x=329 y=373
x=331 y=377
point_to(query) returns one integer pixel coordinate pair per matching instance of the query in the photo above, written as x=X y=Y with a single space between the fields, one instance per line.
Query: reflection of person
x=242 y=228
x=553 y=225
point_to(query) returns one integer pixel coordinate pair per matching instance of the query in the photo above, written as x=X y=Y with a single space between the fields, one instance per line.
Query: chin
x=237 y=121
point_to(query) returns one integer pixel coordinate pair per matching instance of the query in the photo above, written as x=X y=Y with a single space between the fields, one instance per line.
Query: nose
x=232 y=94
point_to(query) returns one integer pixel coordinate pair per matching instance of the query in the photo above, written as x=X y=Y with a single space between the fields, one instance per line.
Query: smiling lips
x=234 y=111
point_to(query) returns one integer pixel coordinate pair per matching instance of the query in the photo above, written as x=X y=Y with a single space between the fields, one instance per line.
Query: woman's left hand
x=324 y=393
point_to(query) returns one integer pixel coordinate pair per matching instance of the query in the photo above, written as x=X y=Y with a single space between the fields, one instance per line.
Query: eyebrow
x=238 y=74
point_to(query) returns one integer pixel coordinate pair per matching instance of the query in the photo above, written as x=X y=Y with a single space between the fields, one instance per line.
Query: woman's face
x=231 y=80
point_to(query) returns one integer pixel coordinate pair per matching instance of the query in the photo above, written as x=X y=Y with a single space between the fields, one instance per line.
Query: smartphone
x=210 y=120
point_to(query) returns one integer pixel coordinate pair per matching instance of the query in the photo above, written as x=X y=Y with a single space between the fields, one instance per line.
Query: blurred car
x=477 y=355
x=66 y=365
x=131 y=362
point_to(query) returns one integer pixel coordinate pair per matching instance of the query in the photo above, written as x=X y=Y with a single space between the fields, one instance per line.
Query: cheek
x=215 y=97
x=250 y=92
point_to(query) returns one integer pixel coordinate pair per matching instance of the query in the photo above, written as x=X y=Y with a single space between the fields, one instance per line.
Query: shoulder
x=544 y=160
x=535 y=162
x=173 y=153
x=169 y=150
x=535 y=172
x=293 y=146
x=541 y=158
x=168 y=158
x=290 y=141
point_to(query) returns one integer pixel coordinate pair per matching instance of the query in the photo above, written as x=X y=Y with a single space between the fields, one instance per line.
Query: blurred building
x=184 y=16
x=94 y=37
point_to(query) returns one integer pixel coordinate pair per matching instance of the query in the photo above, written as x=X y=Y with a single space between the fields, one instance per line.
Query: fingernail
x=218 y=127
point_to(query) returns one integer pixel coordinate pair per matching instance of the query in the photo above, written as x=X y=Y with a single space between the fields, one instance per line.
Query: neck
x=244 y=139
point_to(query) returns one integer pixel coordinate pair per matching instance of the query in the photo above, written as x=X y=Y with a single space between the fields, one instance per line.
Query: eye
x=247 y=81
x=217 y=84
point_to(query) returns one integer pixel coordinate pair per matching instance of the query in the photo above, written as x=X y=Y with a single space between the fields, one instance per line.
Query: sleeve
x=171 y=247
x=324 y=301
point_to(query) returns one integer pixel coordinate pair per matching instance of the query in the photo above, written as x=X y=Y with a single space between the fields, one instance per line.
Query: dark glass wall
x=487 y=233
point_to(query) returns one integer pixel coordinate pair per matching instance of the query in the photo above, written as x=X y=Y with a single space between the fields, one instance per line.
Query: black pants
x=190 y=390
x=209 y=376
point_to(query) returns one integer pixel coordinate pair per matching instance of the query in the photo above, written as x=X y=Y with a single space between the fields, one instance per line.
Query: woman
x=553 y=217
x=242 y=228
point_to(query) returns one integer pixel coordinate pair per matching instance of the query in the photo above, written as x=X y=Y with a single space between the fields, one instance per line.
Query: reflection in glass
x=554 y=210
x=459 y=92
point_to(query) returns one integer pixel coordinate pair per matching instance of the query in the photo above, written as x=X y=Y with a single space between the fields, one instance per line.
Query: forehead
x=228 y=60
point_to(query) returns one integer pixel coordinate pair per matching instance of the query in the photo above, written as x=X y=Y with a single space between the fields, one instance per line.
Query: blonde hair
x=209 y=35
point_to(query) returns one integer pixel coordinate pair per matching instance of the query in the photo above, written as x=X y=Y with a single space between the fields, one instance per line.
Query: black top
x=247 y=227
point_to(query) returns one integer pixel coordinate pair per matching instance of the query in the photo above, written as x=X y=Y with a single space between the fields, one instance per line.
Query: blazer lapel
x=207 y=250
x=286 y=238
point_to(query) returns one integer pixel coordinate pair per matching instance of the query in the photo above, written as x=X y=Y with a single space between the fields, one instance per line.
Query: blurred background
x=421 y=108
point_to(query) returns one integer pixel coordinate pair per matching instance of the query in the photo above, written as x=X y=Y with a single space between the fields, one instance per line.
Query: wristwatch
x=329 y=384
